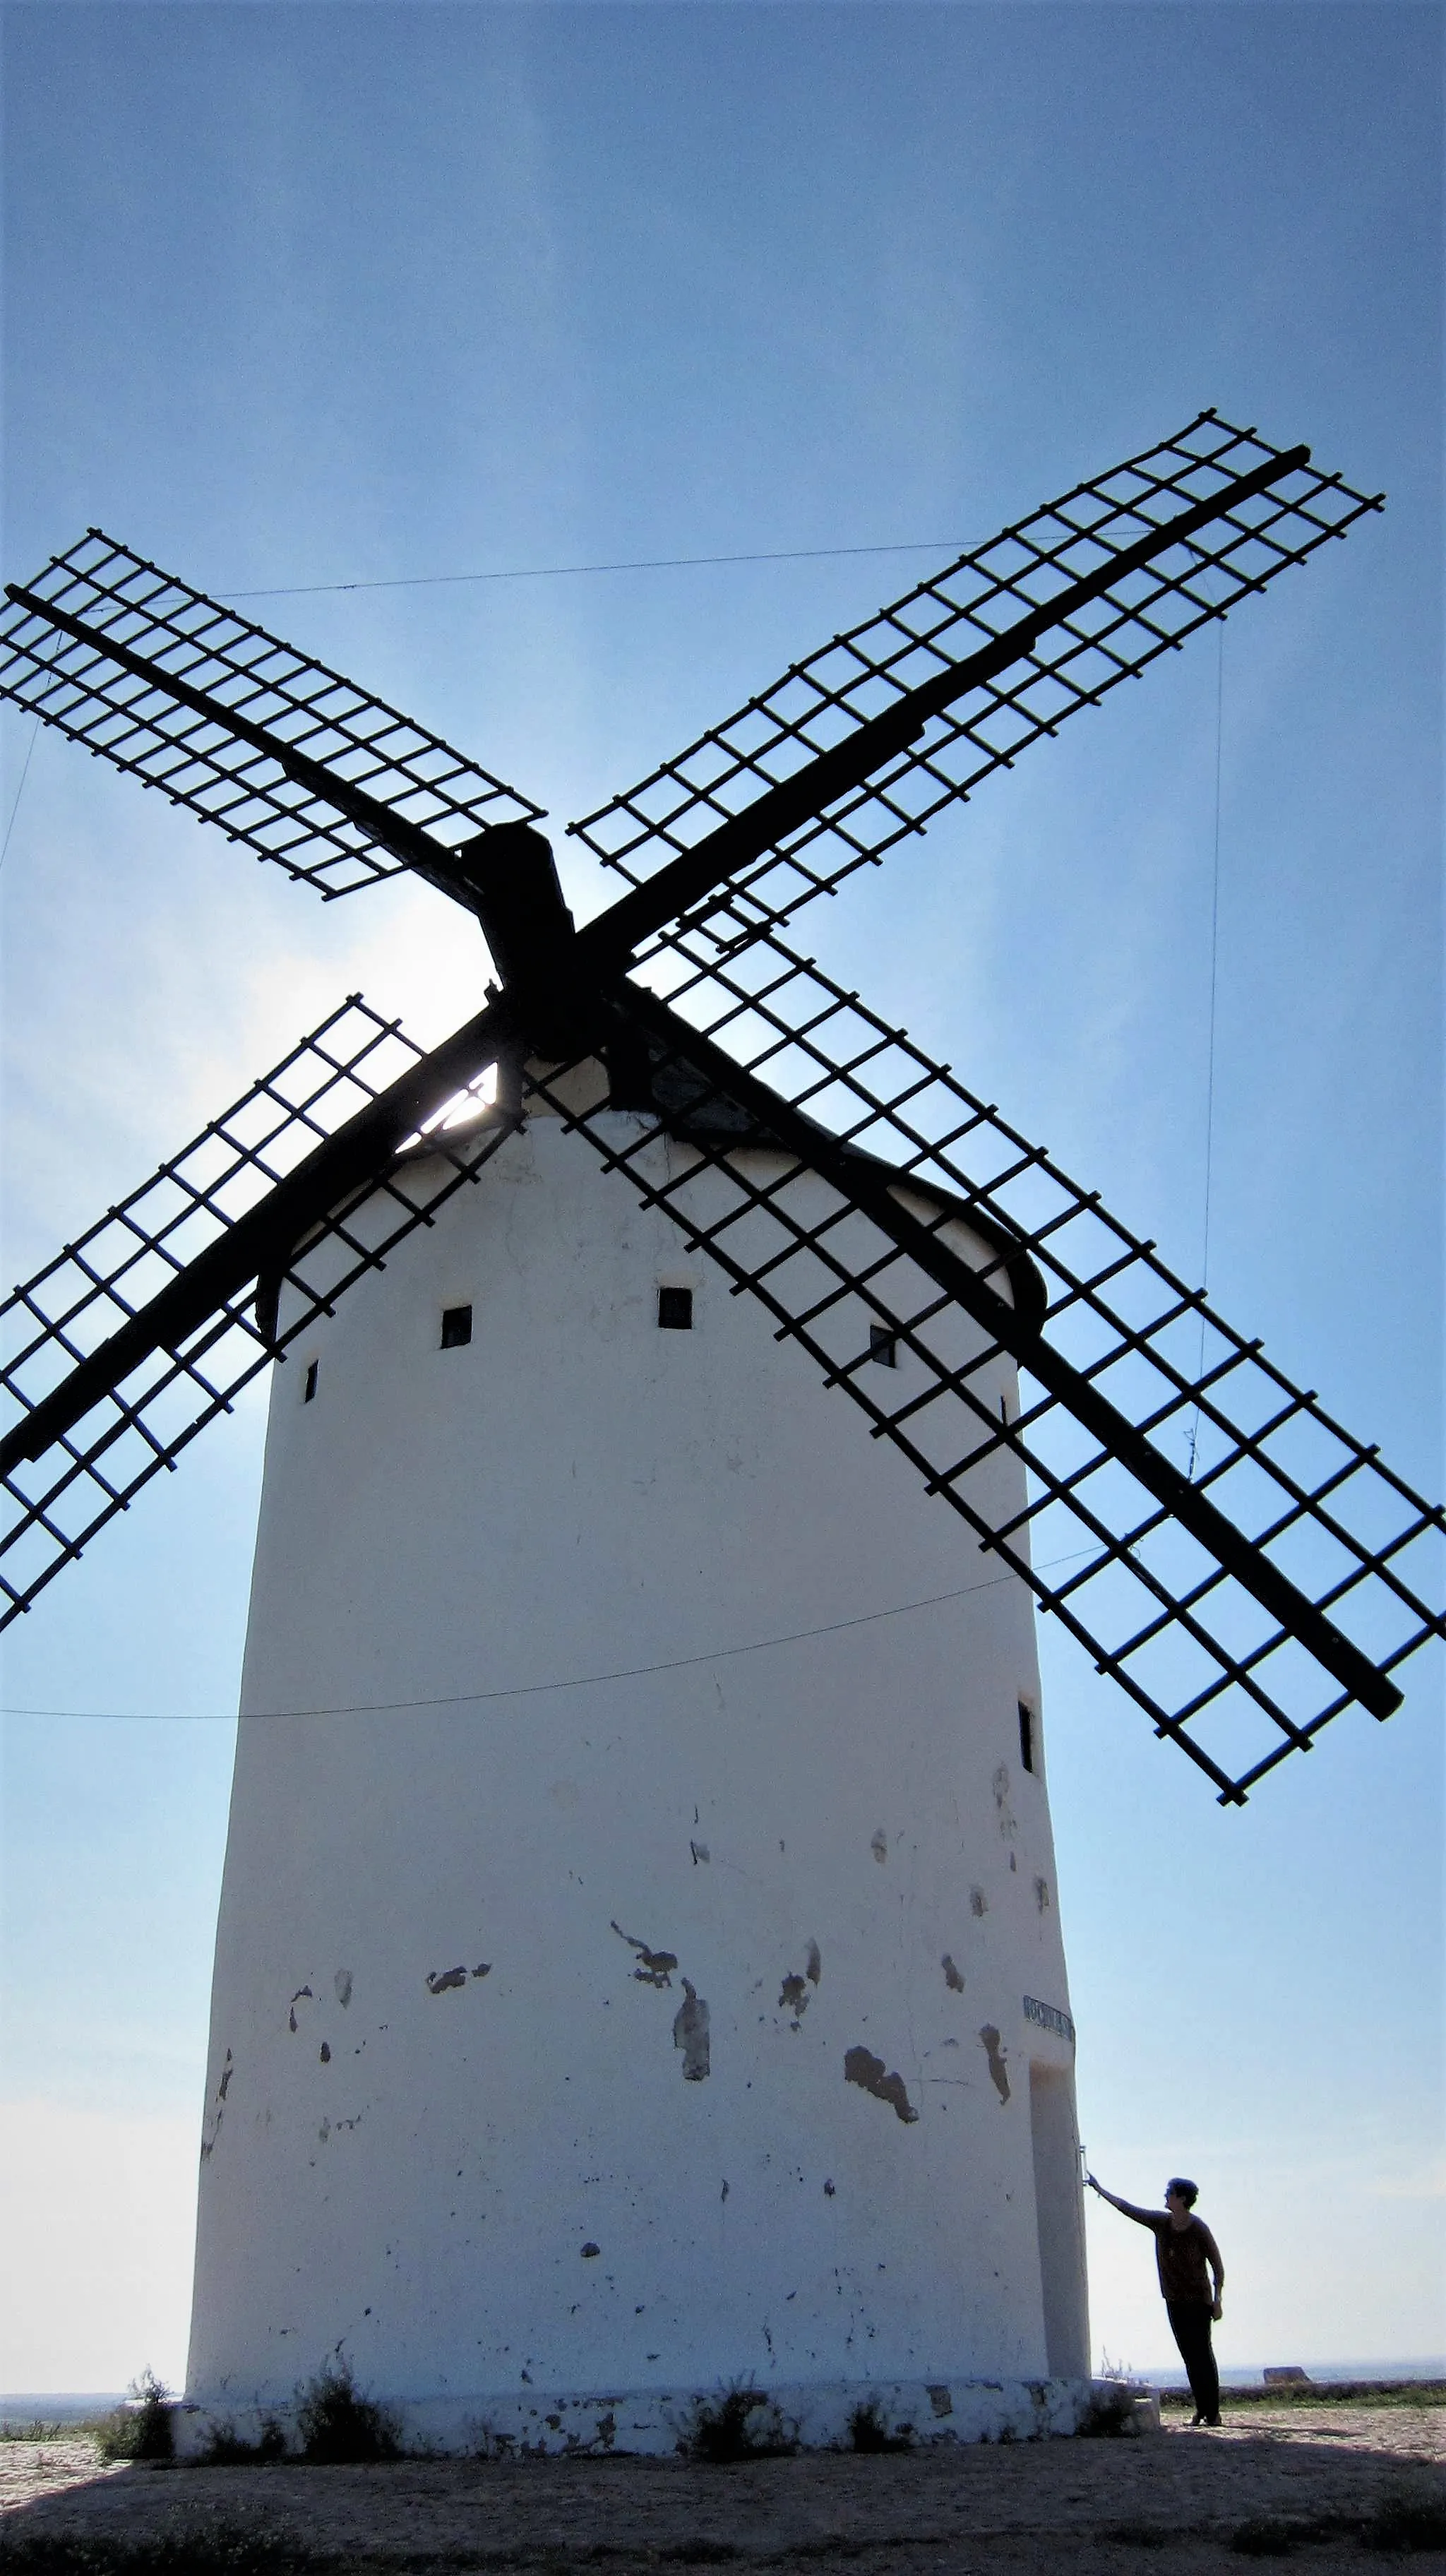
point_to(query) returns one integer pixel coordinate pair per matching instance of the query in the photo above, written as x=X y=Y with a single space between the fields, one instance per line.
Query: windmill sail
x=1089 y=591
x=129 y=711
x=148 y=1406
x=1237 y=1561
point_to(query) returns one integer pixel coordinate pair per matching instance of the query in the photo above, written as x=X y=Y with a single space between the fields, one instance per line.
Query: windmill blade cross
x=779 y=1083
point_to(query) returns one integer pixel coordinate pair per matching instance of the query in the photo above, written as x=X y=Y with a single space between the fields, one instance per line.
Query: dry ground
x=1320 y=2474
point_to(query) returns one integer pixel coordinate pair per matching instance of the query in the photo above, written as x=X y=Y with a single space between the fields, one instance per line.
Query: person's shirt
x=1183 y=2255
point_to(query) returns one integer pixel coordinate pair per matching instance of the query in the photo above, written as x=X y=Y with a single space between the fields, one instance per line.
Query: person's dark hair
x=1188 y=2191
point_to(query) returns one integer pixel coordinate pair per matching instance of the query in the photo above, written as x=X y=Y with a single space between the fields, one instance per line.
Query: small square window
x=308 y=1391
x=1026 y=1734
x=456 y=1327
x=883 y=1346
x=675 y=1310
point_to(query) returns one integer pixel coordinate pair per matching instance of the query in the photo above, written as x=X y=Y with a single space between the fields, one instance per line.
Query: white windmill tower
x=639 y=1966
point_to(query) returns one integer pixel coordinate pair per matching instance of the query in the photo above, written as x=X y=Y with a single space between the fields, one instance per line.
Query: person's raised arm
x=1142 y=2217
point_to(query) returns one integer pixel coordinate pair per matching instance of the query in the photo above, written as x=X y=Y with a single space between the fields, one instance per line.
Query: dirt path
x=1175 y=2498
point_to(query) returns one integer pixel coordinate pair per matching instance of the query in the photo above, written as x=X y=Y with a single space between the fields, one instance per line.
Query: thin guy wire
x=19 y=792
x=522 y=1690
x=1210 y=1050
x=557 y=572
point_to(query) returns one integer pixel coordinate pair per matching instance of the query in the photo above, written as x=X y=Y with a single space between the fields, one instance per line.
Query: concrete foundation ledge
x=841 y=2415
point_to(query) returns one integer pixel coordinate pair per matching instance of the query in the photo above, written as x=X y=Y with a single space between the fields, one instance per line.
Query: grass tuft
x=225 y=2448
x=1109 y=2414
x=741 y=2424
x=869 y=2432
x=142 y=2430
x=339 y=2428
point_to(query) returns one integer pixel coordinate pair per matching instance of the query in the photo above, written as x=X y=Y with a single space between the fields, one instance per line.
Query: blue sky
x=316 y=294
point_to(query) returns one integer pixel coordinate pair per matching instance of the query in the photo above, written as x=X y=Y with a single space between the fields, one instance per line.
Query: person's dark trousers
x=1190 y=2326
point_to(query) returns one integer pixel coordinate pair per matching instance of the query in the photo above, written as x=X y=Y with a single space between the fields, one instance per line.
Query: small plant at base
x=487 y=2444
x=742 y=2424
x=1110 y=2412
x=142 y=2429
x=869 y=2432
x=225 y=2448
x=337 y=2427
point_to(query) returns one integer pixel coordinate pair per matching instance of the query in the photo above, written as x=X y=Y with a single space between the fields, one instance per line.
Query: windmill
x=592 y=2035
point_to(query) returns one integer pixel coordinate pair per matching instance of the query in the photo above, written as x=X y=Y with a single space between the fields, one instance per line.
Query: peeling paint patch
x=699 y=1851
x=589 y=2250
x=941 y=2401
x=325 y=2052
x=813 y=1963
x=952 y=1978
x=793 y=1997
x=690 y=2033
x=978 y=1902
x=655 y=1967
x=441 y=1980
x=879 y=1845
x=342 y=1983
x=1041 y=1894
x=1002 y=1808
x=861 y=2067
x=999 y=2076
x=483 y=1968
x=295 y=2000
x=828 y=2191
x=219 y=2110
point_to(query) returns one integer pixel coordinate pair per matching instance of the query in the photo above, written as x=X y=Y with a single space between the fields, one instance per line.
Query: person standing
x=1192 y=2277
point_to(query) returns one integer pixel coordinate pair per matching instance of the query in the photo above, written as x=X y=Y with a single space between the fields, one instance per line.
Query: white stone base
x=661 y=2422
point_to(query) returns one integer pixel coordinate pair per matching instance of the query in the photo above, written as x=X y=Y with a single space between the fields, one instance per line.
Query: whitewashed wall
x=645 y=2032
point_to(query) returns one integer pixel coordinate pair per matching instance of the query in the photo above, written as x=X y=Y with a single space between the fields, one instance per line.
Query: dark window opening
x=456 y=1327
x=675 y=1310
x=883 y=1346
x=309 y=1390
x=1026 y=1735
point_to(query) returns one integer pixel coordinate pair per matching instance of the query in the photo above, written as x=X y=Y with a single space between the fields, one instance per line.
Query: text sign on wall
x=1048 y=2017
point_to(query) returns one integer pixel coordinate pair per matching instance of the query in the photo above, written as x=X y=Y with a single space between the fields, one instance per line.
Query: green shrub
x=1110 y=2413
x=741 y=2424
x=339 y=2428
x=225 y=2448
x=869 y=2432
x=141 y=2430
